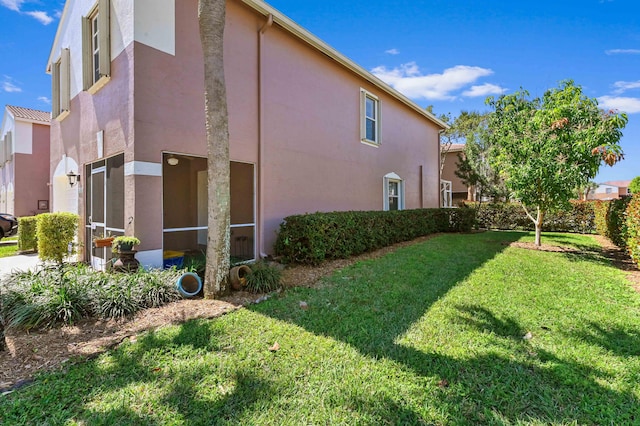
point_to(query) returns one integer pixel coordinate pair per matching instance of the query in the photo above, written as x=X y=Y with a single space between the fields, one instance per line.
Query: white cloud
x=393 y=51
x=16 y=5
x=622 y=52
x=44 y=99
x=8 y=86
x=483 y=90
x=408 y=80
x=41 y=16
x=623 y=86
x=12 y=4
x=620 y=103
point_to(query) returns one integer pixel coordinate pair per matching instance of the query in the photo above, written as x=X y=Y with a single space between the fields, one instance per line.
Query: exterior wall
x=314 y=160
x=31 y=173
x=69 y=35
x=614 y=192
x=23 y=179
x=308 y=145
x=448 y=173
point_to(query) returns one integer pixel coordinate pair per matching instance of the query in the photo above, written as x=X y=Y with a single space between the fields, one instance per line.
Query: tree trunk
x=538 y=223
x=3 y=345
x=211 y=18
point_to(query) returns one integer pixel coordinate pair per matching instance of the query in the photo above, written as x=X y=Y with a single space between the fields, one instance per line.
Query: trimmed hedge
x=27 y=239
x=611 y=220
x=580 y=219
x=314 y=238
x=55 y=231
x=633 y=228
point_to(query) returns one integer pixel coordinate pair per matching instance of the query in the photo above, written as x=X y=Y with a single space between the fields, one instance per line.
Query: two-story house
x=24 y=161
x=310 y=130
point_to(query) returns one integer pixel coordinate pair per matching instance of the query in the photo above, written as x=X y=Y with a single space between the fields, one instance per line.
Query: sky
x=451 y=54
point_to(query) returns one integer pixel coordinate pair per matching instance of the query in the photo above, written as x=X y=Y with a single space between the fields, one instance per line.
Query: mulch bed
x=32 y=352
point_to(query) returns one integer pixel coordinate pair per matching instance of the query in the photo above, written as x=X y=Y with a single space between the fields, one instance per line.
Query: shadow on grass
x=613 y=339
x=393 y=293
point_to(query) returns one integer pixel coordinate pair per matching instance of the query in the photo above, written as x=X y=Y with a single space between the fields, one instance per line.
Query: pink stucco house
x=24 y=161
x=611 y=190
x=309 y=129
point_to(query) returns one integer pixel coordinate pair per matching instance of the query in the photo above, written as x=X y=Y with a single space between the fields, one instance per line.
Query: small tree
x=546 y=147
x=634 y=186
x=474 y=166
x=56 y=232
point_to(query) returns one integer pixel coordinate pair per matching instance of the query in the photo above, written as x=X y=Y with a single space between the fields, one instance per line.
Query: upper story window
x=96 y=55
x=95 y=47
x=370 y=118
x=608 y=190
x=60 y=90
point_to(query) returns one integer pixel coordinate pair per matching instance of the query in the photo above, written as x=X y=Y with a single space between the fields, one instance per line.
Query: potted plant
x=124 y=243
x=100 y=242
x=123 y=247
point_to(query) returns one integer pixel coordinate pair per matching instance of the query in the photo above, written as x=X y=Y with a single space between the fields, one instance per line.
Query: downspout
x=260 y=218
x=440 y=166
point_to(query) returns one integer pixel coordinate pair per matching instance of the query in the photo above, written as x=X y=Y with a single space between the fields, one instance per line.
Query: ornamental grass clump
x=65 y=294
x=263 y=278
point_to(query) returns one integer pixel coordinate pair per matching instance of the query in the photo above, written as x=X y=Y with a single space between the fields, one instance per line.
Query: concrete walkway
x=21 y=262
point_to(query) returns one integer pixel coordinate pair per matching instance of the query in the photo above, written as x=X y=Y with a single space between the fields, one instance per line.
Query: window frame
x=393 y=178
x=364 y=118
x=96 y=41
x=61 y=86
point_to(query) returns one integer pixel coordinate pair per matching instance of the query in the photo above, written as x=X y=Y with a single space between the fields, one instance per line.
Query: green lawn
x=9 y=247
x=431 y=334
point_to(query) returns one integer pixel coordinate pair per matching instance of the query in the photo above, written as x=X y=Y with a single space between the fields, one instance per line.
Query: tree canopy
x=634 y=186
x=546 y=147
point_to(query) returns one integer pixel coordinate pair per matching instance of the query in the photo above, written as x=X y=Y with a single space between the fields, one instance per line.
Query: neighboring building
x=453 y=190
x=611 y=190
x=309 y=129
x=24 y=161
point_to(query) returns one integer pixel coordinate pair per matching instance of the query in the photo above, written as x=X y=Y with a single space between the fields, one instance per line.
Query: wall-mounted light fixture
x=172 y=161
x=73 y=178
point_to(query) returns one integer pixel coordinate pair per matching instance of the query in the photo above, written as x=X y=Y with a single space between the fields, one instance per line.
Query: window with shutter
x=96 y=55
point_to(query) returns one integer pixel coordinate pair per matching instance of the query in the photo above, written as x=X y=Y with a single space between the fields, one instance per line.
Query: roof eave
x=304 y=35
x=63 y=15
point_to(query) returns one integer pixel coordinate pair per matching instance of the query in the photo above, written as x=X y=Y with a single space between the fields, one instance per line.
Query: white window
x=370 y=118
x=393 y=192
x=445 y=193
x=60 y=91
x=96 y=55
x=608 y=190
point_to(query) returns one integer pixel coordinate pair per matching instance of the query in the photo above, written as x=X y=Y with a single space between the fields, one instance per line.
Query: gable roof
x=618 y=183
x=456 y=147
x=29 y=114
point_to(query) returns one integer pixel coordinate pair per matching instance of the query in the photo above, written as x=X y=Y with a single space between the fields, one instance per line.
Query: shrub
x=43 y=298
x=633 y=228
x=611 y=220
x=580 y=219
x=601 y=209
x=55 y=233
x=263 y=278
x=50 y=296
x=617 y=222
x=27 y=240
x=314 y=238
x=156 y=287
